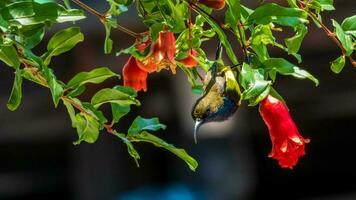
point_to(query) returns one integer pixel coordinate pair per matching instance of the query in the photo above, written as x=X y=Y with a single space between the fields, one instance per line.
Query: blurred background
x=39 y=161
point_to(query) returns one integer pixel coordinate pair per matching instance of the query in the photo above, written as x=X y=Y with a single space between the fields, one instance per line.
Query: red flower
x=134 y=76
x=287 y=143
x=161 y=54
x=190 y=61
x=215 y=4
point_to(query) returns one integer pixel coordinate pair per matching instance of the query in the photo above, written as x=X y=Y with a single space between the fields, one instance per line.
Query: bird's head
x=212 y=107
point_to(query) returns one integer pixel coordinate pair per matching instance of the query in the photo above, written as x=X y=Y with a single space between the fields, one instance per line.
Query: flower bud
x=214 y=4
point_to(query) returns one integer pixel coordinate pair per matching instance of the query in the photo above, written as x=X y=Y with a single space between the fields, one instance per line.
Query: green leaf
x=232 y=15
x=71 y=112
x=286 y=68
x=326 y=4
x=95 y=76
x=16 y=93
x=294 y=43
x=349 y=25
x=67 y=4
x=271 y=12
x=141 y=124
x=108 y=43
x=158 y=142
x=32 y=35
x=63 y=41
x=338 y=64
x=87 y=128
x=130 y=148
x=8 y=55
x=177 y=16
x=55 y=87
x=345 y=39
x=118 y=111
x=253 y=82
x=260 y=97
x=223 y=38
x=108 y=95
x=30 y=13
x=77 y=91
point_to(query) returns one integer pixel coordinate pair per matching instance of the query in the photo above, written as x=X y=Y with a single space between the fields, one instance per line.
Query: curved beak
x=198 y=123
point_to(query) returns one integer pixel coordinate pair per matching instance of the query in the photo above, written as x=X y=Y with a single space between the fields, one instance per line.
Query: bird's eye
x=208 y=110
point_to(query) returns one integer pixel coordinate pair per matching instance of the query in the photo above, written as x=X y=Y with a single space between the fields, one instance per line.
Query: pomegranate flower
x=133 y=76
x=215 y=4
x=161 y=54
x=287 y=143
x=190 y=60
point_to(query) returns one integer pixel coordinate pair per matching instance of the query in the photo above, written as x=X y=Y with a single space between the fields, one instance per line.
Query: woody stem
x=328 y=32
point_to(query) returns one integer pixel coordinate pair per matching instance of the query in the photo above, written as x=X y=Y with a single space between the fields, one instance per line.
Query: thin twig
x=242 y=39
x=90 y=9
x=143 y=8
x=103 y=19
x=198 y=10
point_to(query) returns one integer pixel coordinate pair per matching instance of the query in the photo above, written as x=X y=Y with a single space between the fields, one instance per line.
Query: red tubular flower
x=287 y=143
x=161 y=54
x=215 y=4
x=134 y=76
x=190 y=61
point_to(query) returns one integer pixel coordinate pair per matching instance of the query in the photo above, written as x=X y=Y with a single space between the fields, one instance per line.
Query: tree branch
x=328 y=32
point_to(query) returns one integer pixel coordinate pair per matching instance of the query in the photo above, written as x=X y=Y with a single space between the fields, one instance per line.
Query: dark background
x=38 y=160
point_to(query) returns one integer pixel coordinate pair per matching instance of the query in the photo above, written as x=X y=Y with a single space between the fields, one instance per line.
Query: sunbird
x=217 y=103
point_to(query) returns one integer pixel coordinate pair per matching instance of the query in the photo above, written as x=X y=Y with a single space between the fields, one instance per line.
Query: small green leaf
x=326 y=4
x=261 y=96
x=118 y=111
x=30 y=13
x=87 y=128
x=223 y=38
x=130 y=148
x=67 y=4
x=232 y=15
x=284 y=67
x=32 y=35
x=108 y=95
x=77 y=91
x=158 y=142
x=9 y=56
x=338 y=64
x=63 y=41
x=71 y=112
x=55 y=87
x=253 y=82
x=293 y=43
x=141 y=124
x=345 y=39
x=16 y=93
x=271 y=12
x=108 y=43
x=95 y=76
x=349 y=25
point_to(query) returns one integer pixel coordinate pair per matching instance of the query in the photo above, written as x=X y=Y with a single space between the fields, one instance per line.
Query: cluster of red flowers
x=161 y=56
x=287 y=143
